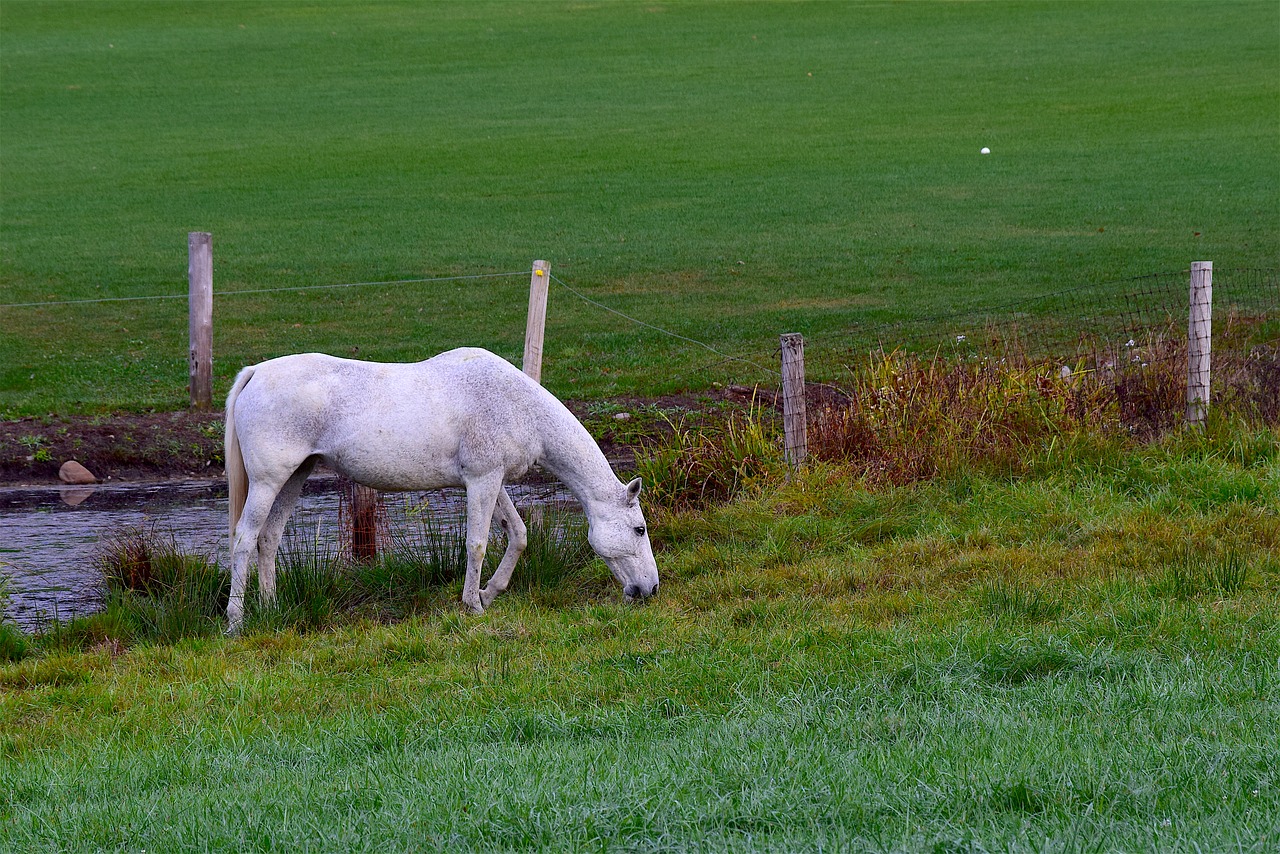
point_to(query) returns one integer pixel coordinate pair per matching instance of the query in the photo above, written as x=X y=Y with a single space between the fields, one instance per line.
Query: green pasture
x=1083 y=659
x=727 y=171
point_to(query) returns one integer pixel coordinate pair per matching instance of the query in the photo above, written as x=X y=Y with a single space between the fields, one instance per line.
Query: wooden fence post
x=795 y=447
x=1199 y=342
x=536 y=324
x=200 y=317
x=365 y=515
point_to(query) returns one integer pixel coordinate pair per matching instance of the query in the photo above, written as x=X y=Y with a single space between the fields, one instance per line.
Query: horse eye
x=640 y=531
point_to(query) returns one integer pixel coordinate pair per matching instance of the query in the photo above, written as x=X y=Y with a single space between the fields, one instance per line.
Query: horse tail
x=237 y=475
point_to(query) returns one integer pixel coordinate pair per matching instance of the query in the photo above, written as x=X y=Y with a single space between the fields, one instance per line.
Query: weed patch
x=1203 y=575
x=1023 y=661
x=703 y=465
x=902 y=418
x=1011 y=600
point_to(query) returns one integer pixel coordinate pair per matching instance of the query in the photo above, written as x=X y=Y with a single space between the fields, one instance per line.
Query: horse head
x=618 y=534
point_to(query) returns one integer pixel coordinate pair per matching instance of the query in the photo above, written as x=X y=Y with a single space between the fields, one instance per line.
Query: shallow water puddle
x=50 y=536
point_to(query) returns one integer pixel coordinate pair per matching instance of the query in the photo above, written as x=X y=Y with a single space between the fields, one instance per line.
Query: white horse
x=464 y=418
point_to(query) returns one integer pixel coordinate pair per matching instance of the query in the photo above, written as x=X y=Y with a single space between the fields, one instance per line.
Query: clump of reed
x=694 y=465
x=155 y=590
x=13 y=643
x=557 y=553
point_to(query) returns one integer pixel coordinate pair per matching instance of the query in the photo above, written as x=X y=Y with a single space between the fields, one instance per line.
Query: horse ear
x=633 y=492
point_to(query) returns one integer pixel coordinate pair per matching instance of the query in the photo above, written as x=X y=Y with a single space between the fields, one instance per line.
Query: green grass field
x=1087 y=658
x=990 y=621
x=726 y=171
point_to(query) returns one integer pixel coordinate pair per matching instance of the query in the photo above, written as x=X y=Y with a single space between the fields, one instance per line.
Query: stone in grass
x=74 y=473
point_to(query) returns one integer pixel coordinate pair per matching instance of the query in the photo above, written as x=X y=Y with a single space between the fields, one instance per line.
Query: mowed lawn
x=726 y=171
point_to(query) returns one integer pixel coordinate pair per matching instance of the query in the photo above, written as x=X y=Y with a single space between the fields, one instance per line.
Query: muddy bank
x=171 y=445
x=115 y=448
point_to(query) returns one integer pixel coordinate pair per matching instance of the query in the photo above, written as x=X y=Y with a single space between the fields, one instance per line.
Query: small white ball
x=986 y=151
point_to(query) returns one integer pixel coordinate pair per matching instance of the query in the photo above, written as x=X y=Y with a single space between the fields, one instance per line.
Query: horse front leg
x=482 y=497
x=517 y=540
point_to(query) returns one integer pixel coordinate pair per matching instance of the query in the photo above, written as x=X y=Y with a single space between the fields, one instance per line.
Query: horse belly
x=394 y=466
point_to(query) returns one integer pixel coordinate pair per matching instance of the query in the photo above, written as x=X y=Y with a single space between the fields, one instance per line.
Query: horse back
x=395 y=425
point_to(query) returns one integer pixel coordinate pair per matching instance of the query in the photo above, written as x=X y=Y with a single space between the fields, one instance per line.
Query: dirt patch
x=151 y=446
x=166 y=445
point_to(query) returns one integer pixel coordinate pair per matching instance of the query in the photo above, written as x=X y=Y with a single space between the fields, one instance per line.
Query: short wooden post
x=795 y=447
x=536 y=324
x=200 y=317
x=364 y=522
x=1199 y=342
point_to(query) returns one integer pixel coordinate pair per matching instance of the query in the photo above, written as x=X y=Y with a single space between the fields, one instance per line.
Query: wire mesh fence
x=997 y=387
x=1134 y=335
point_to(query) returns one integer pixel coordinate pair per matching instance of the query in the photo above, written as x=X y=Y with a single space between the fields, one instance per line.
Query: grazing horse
x=464 y=418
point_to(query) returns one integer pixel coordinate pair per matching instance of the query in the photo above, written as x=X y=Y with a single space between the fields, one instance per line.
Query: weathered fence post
x=364 y=522
x=536 y=324
x=1199 y=342
x=200 y=317
x=795 y=447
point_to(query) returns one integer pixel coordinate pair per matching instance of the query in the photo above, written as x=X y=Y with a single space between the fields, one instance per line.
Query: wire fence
x=1135 y=331
x=1106 y=318
x=284 y=289
x=1136 y=335
x=1138 y=338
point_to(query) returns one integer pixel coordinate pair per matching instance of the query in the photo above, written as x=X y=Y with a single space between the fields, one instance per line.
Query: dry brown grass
x=900 y=418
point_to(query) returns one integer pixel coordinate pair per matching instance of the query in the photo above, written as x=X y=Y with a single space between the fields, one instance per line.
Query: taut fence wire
x=1133 y=332
x=1135 y=335
x=287 y=289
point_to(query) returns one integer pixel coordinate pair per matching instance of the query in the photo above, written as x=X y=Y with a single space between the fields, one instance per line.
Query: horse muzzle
x=636 y=592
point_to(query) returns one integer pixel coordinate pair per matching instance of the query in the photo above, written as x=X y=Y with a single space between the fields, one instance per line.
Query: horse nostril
x=654 y=591
x=632 y=591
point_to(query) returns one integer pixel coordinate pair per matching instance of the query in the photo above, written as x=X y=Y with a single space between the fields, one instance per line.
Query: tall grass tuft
x=557 y=550
x=13 y=643
x=1195 y=575
x=431 y=551
x=155 y=591
x=312 y=587
x=422 y=556
x=1015 y=601
x=697 y=466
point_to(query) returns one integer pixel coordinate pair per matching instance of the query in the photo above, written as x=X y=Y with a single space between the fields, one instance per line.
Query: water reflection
x=50 y=536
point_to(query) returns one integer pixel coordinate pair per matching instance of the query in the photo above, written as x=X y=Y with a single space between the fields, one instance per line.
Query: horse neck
x=576 y=460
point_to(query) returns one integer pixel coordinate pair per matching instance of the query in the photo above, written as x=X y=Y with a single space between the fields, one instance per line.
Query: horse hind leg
x=517 y=540
x=244 y=546
x=273 y=530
